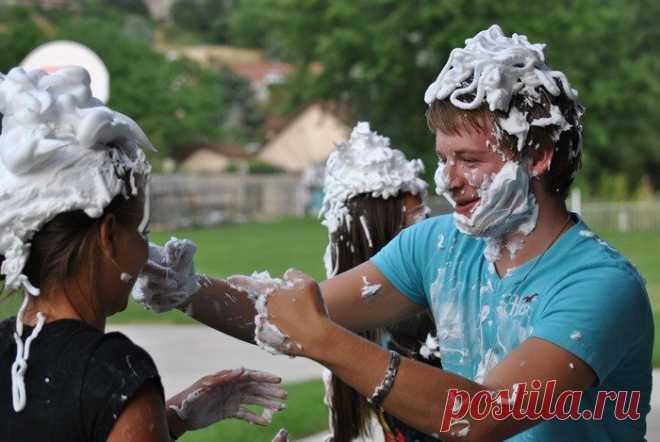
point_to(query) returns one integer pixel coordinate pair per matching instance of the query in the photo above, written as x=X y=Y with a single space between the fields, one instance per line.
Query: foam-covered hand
x=168 y=279
x=223 y=395
x=298 y=311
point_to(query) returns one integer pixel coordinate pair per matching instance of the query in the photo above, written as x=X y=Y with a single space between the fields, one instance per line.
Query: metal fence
x=180 y=200
x=622 y=216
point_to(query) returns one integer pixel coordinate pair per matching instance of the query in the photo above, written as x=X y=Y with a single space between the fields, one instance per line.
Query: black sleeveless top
x=77 y=382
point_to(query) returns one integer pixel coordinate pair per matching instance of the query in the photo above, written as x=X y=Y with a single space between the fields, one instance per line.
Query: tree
x=177 y=103
x=207 y=17
x=379 y=57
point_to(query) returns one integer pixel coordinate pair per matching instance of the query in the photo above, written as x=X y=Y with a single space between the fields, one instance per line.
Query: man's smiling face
x=468 y=159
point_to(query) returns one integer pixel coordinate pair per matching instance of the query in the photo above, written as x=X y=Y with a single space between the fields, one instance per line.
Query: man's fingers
x=264 y=402
x=249 y=416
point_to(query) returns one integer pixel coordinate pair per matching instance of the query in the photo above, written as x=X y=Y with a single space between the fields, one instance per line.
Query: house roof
x=260 y=71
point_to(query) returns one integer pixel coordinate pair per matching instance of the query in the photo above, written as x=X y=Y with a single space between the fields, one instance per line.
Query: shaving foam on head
x=61 y=150
x=365 y=164
x=492 y=69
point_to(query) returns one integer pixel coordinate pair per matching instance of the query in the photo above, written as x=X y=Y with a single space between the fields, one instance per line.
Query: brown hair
x=385 y=218
x=442 y=115
x=69 y=241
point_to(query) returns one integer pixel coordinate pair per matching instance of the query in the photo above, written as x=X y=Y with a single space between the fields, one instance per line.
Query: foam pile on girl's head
x=366 y=164
x=492 y=69
x=61 y=150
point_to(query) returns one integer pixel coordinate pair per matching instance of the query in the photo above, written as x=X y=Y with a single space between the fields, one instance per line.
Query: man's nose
x=454 y=178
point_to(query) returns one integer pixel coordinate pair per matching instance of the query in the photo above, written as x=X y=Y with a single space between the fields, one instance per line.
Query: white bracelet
x=382 y=390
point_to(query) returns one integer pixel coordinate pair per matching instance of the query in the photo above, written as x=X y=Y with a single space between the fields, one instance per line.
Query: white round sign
x=57 y=54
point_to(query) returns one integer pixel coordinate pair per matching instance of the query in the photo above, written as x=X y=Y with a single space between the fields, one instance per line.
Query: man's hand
x=224 y=394
x=168 y=279
x=298 y=311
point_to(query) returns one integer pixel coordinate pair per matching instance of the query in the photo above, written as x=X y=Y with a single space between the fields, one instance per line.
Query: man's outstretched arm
x=421 y=393
x=231 y=311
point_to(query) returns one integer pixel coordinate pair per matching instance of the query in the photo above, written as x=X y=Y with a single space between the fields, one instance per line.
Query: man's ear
x=108 y=236
x=541 y=160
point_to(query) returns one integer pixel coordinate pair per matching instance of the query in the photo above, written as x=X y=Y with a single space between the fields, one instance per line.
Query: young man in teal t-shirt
x=545 y=332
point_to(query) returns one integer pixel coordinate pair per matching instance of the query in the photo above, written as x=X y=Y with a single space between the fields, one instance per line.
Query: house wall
x=306 y=141
x=205 y=161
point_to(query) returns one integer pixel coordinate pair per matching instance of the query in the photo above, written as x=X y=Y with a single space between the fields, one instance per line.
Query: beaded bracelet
x=382 y=390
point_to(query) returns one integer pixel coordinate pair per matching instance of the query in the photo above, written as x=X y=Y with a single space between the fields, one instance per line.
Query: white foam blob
x=430 y=347
x=576 y=335
x=259 y=286
x=368 y=290
x=506 y=205
x=492 y=68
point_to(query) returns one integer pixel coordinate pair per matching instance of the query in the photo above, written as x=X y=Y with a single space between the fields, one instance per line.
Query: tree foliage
x=207 y=17
x=176 y=102
x=379 y=56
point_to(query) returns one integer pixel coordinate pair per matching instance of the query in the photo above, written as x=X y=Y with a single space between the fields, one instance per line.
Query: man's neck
x=553 y=220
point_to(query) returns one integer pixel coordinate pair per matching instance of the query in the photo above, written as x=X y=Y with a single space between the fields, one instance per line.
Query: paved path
x=184 y=353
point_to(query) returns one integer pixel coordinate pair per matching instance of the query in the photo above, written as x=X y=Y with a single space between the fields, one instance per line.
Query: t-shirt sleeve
x=598 y=315
x=116 y=371
x=403 y=260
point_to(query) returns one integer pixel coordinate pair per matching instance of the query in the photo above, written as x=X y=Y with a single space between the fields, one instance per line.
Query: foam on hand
x=365 y=164
x=259 y=286
x=169 y=280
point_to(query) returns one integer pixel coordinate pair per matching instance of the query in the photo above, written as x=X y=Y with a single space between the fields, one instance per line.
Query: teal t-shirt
x=581 y=294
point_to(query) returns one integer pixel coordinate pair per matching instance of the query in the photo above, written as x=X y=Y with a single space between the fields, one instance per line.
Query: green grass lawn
x=278 y=245
x=643 y=249
x=274 y=246
x=306 y=415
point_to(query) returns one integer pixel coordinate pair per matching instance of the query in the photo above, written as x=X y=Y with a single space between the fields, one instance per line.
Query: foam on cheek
x=442 y=183
x=506 y=205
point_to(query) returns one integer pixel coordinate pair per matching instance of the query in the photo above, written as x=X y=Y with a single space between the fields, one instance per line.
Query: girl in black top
x=62 y=378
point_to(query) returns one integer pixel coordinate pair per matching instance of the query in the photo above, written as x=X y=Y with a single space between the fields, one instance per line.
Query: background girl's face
x=414 y=210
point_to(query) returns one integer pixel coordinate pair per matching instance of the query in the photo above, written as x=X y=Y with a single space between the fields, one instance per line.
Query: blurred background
x=245 y=99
